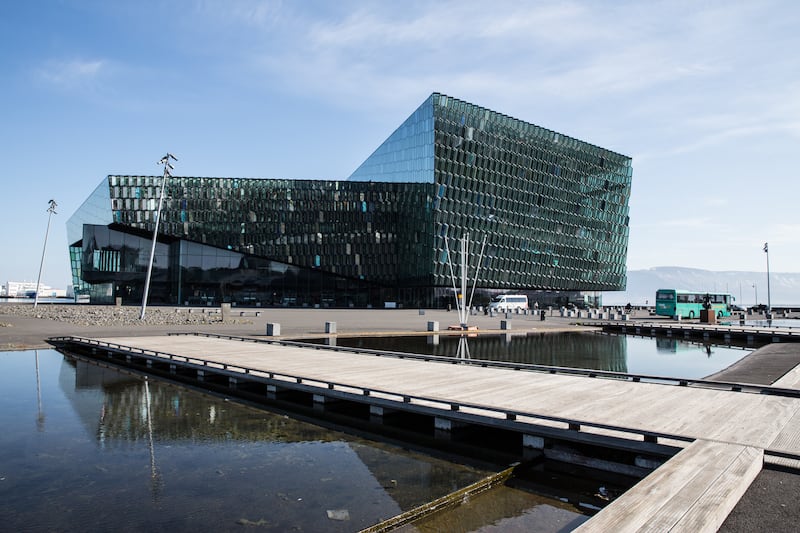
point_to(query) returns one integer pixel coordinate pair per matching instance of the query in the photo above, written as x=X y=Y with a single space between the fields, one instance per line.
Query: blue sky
x=704 y=96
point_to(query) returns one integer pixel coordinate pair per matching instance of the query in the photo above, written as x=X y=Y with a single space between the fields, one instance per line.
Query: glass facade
x=553 y=211
x=407 y=155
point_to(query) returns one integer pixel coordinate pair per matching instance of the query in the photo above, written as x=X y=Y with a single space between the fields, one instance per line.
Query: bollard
x=505 y=324
x=421 y=312
x=273 y=329
x=433 y=325
x=330 y=327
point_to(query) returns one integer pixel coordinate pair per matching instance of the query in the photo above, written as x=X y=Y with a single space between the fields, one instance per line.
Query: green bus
x=688 y=304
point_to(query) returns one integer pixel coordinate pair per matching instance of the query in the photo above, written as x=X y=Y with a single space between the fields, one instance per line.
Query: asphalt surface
x=772 y=503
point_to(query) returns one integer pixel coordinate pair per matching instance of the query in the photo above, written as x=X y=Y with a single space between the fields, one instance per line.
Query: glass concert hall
x=553 y=211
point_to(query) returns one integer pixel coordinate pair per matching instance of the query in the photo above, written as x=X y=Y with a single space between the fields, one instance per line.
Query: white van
x=509 y=302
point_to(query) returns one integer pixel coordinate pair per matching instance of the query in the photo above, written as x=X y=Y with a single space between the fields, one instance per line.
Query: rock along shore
x=96 y=315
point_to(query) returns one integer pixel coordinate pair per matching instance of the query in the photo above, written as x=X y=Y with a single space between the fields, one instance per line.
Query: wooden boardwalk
x=727 y=331
x=693 y=491
x=738 y=427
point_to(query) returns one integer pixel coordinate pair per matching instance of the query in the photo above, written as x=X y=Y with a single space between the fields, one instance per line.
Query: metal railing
x=465 y=411
x=609 y=374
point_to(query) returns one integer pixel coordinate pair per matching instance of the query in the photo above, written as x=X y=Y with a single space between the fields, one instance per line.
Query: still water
x=90 y=448
x=665 y=357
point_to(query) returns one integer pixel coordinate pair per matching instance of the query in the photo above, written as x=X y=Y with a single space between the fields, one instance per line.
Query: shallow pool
x=667 y=357
x=90 y=448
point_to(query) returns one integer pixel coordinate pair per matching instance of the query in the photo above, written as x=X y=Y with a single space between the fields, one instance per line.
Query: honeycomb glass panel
x=553 y=210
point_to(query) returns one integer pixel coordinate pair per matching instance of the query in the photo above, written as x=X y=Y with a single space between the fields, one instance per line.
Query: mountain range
x=747 y=287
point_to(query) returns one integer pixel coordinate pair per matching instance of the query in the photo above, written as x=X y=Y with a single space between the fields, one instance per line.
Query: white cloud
x=782 y=234
x=69 y=73
x=563 y=51
x=254 y=13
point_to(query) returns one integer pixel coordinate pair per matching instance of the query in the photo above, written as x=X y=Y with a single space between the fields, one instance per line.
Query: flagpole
x=50 y=210
x=167 y=167
x=769 y=300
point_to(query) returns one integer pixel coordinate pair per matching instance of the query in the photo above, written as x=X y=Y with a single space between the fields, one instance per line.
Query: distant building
x=27 y=289
x=554 y=211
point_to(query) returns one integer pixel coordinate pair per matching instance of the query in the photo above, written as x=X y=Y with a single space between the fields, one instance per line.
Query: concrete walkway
x=19 y=331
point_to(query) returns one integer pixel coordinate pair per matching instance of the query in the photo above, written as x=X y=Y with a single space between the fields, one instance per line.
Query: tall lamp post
x=51 y=210
x=769 y=301
x=167 y=167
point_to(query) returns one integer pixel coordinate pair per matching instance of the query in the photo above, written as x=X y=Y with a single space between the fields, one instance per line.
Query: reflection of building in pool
x=671 y=345
x=595 y=352
x=573 y=350
x=114 y=408
x=553 y=210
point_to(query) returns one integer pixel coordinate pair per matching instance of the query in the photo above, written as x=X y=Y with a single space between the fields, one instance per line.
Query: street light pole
x=51 y=210
x=769 y=301
x=167 y=167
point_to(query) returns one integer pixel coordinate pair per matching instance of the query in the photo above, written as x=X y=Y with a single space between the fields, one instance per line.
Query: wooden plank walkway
x=790 y=380
x=694 y=491
x=727 y=331
x=688 y=412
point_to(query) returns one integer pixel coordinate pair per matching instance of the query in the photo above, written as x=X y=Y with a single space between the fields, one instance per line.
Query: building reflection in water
x=573 y=350
x=123 y=410
x=670 y=345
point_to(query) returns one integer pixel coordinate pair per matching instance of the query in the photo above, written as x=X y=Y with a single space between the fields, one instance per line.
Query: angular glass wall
x=364 y=230
x=114 y=262
x=331 y=232
x=95 y=210
x=554 y=209
x=407 y=155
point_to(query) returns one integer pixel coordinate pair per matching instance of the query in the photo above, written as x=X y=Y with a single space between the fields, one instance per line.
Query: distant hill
x=643 y=284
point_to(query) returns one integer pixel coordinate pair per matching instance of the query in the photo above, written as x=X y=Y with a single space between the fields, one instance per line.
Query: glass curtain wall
x=553 y=210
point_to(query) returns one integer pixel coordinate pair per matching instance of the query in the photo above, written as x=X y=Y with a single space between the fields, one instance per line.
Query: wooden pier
x=723 y=434
x=698 y=331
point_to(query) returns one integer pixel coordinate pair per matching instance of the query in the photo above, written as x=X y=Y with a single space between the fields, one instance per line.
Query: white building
x=27 y=289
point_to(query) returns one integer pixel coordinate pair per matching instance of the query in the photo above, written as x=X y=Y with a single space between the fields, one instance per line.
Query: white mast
x=462 y=304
